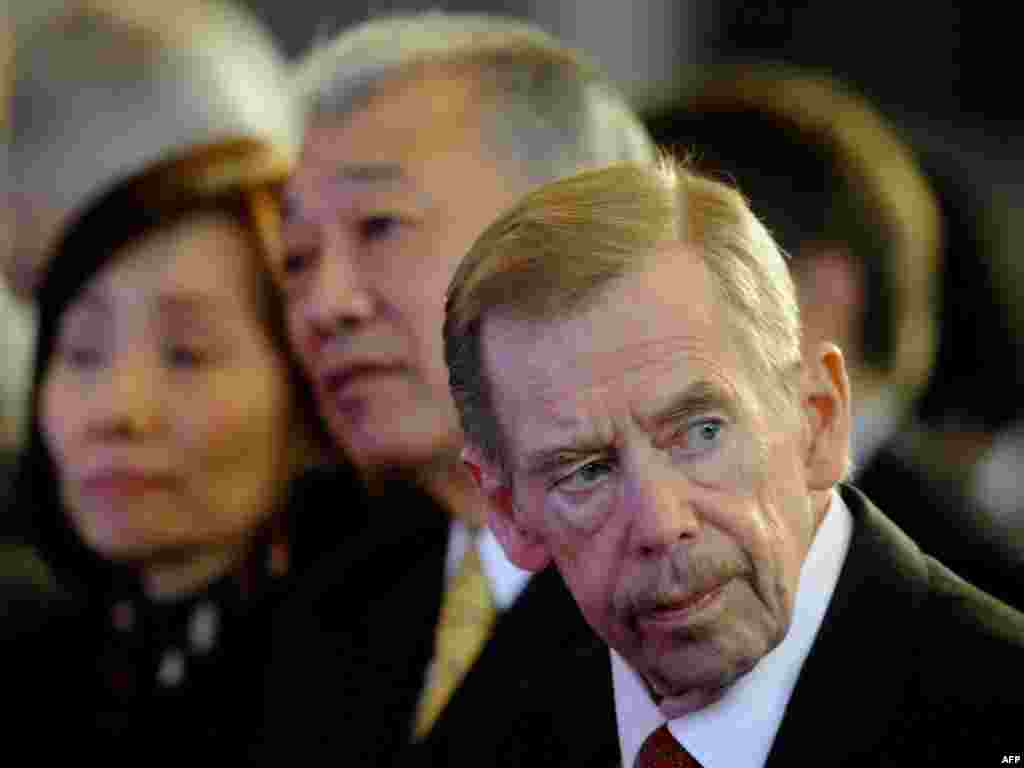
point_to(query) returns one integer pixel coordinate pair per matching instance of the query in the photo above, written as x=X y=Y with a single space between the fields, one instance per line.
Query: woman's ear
x=825 y=400
x=523 y=545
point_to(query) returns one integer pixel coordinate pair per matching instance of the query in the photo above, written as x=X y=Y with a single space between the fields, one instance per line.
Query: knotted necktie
x=467 y=617
x=661 y=750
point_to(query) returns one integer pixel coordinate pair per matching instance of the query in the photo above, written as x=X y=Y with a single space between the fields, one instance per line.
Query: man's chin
x=689 y=681
x=688 y=702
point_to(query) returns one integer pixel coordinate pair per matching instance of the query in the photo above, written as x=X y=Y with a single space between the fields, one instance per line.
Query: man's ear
x=826 y=404
x=523 y=546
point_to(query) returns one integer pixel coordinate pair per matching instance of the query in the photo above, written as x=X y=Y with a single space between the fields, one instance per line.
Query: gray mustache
x=676 y=577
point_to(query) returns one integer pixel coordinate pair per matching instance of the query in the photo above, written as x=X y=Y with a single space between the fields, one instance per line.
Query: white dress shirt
x=738 y=730
x=506 y=580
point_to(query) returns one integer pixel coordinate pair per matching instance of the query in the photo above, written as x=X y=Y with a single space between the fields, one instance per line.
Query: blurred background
x=931 y=69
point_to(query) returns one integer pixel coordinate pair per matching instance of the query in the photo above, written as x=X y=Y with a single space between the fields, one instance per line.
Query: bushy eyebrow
x=547 y=460
x=371 y=173
x=363 y=176
x=700 y=397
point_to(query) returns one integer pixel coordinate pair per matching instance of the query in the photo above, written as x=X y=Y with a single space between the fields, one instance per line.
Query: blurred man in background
x=847 y=201
x=420 y=130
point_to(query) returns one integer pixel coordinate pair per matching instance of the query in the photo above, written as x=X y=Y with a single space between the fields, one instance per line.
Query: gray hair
x=548 y=106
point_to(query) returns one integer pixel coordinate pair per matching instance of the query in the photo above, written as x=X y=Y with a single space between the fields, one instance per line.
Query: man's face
x=644 y=461
x=384 y=204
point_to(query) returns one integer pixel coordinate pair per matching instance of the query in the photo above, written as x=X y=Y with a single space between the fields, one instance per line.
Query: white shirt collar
x=738 y=729
x=506 y=580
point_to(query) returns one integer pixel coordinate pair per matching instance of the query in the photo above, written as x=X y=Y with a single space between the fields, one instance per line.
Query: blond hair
x=546 y=107
x=560 y=248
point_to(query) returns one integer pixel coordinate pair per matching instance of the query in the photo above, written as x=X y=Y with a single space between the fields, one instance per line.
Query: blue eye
x=700 y=437
x=585 y=477
x=707 y=431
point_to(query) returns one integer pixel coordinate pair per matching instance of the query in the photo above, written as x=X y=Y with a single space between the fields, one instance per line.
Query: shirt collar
x=506 y=580
x=738 y=729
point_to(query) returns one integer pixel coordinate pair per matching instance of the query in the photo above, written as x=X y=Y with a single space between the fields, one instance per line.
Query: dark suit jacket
x=944 y=522
x=912 y=665
x=350 y=650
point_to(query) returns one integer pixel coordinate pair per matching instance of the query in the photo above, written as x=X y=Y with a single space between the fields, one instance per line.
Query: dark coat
x=83 y=685
x=945 y=522
x=92 y=665
x=350 y=653
x=912 y=665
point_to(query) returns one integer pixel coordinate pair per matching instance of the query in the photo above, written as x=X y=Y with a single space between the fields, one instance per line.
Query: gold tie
x=467 y=616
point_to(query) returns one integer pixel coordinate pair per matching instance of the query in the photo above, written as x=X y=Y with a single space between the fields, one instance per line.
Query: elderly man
x=624 y=349
x=420 y=131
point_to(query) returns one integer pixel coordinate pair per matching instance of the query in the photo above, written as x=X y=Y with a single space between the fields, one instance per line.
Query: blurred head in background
x=100 y=84
x=843 y=195
x=419 y=131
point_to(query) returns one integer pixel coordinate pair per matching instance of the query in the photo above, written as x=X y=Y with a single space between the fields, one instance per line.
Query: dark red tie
x=661 y=750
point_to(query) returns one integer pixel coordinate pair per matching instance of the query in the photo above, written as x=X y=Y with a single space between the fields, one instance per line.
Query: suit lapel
x=854 y=683
x=358 y=635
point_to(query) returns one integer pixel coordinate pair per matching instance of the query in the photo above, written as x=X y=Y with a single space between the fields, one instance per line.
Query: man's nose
x=663 y=514
x=338 y=298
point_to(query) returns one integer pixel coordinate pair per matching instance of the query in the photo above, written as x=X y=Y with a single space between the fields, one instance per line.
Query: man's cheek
x=599 y=616
x=592 y=590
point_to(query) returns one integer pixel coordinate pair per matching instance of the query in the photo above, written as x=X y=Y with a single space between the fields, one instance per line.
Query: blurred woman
x=167 y=421
x=166 y=416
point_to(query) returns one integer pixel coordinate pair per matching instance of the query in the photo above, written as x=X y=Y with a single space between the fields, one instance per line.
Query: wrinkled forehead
x=649 y=333
x=424 y=124
x=338 y=184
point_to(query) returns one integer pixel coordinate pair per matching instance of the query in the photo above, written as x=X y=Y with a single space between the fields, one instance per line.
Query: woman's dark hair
x=229 y=177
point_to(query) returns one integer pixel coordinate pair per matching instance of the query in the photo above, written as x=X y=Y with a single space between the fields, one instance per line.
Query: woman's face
x=166 y=406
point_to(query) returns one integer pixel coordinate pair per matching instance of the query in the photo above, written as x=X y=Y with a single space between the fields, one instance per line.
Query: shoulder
x=946 y=523
x=969 y=674
x=964 y=648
